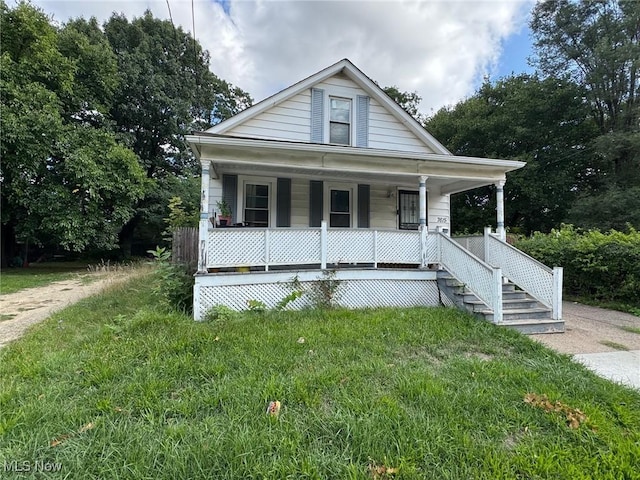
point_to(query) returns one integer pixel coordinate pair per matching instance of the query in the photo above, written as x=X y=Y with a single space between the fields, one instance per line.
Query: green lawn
x=15 y=279
x=114 y=388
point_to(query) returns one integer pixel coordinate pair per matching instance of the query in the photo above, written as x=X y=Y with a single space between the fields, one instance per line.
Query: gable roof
x=357 y=76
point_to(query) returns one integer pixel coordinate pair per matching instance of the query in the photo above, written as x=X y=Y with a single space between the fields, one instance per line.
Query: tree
x=545 y=123
x=597 y=43
x=409 y=101
x=166 y=90
x=64 y=181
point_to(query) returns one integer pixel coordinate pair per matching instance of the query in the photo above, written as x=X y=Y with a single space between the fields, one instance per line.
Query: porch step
x=519 y=309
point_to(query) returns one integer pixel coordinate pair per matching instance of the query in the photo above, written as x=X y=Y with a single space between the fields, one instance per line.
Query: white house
x=331 y=173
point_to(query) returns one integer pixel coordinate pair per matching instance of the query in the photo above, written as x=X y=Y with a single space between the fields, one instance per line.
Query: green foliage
x=223 y=208
x=93 y=125
x=173 y=282
x=166 y=91
x=179 y=217
x=325 y=292
x=409 y=101
x=256 y=306
x=220 y=314
x=290 y=298
x=597 y=44
x=603 y=266
x=65 y=178
x=544 y=122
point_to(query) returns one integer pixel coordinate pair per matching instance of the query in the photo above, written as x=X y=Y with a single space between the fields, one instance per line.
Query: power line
x=170 y=17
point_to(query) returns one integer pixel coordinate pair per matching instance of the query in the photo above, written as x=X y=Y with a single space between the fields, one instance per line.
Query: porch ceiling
x=448 y=173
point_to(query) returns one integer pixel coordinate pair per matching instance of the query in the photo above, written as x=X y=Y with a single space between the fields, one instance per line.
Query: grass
x=15 y=279
x=115 y=388
x=614 y=345
x=629 y=329
x=633 y=309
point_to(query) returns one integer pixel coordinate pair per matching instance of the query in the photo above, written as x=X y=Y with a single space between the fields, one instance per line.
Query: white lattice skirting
x=358 y=289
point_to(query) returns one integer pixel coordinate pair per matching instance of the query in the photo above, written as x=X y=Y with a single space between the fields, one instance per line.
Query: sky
x=441 y=49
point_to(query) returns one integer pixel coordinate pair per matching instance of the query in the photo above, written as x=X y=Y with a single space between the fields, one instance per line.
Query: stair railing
x=483 y=280
x=541 y=282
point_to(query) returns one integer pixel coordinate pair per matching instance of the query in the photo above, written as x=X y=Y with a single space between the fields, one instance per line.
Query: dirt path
x=32 y=305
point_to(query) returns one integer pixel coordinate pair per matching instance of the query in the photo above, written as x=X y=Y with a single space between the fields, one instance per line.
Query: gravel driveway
x=600 y=339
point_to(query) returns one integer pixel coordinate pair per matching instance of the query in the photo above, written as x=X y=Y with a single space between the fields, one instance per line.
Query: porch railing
x=478 y=262
x=239 y=247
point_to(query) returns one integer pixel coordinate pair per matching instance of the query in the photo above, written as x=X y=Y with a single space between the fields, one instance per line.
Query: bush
x=174 y=282
x=602 y=266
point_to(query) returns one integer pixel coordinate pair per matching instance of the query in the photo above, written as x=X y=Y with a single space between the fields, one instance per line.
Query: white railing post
x=422 y=198
x=203 y=227
x=487 y=233
x=323 y=245
x=266 y=250
x=500 y=230
x=424 y=260
x=497 y=295
x=375 y=249
x=557 y=293
x=197 y=307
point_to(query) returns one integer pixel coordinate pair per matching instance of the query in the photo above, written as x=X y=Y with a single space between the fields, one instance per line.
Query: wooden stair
x=520 y=310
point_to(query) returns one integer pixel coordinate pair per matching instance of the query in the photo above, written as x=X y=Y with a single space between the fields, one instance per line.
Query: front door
x=408 y=210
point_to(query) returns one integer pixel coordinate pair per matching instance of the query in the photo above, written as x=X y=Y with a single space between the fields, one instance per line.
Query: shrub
x=174 y=282
x=603 y=266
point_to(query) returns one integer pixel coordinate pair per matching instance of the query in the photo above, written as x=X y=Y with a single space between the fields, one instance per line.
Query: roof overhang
x=449 y=173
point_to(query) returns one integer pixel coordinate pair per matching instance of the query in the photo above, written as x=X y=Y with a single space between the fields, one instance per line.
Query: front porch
x=380 y=268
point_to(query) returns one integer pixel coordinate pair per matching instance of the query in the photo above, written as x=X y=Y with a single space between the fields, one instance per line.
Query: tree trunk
x=8 y=244
x=125 y=237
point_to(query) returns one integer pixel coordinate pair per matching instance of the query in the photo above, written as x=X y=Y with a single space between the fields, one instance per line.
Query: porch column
x=500 y=210
x=423 y=201
x=424 y=260
x=204 y=218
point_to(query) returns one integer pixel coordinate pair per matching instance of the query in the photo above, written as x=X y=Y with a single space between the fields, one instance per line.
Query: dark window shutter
x=230 y=194
x=364 y=209
x=283 y=203
x=317 y=115
x=362 y=121
x=315 y=203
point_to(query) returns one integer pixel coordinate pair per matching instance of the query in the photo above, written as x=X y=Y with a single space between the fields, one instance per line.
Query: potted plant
x=224 y=216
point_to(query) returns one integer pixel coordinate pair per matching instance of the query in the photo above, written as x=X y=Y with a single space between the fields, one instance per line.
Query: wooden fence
x=185 y=246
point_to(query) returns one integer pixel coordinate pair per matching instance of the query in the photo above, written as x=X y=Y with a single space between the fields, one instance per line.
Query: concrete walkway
x=605 y=341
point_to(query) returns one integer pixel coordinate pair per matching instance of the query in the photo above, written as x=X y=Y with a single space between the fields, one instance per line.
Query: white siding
x=439 y=213
x=215 y=194
x=387 y=133
x=291 y=121
x=383 y=209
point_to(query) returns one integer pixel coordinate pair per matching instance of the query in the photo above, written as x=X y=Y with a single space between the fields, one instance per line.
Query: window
x=340 y=208
x=340 y=121
x=256 y=204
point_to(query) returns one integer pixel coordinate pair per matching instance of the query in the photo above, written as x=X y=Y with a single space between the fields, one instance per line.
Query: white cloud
x=441 y=49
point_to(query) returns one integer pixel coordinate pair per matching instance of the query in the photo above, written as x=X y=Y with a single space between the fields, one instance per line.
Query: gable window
x=256 y=204
x=340 y=120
